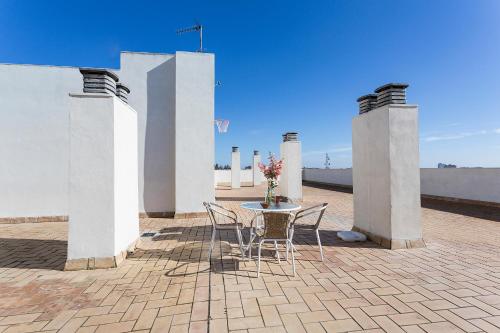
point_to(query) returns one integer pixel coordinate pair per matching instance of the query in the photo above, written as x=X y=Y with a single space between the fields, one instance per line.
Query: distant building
x=445 y=166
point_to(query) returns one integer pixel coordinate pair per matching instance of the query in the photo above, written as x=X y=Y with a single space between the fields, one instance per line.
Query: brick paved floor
x=167 y=285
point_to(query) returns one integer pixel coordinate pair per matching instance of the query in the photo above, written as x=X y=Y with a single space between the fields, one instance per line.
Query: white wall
x=224 y=176
x=103 y=191
x=126 y=185
x=151 y=79
x=329 y=176
x=480 y=184
x=194 y=131
x=34 y=139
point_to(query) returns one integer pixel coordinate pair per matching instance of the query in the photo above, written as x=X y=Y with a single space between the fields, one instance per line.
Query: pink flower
x=273 y=170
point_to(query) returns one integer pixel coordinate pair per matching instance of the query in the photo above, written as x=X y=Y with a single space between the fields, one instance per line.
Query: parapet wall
x=477 y=184
x=223 y=177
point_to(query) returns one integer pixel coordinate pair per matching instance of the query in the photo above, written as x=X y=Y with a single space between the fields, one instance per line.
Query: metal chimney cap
x=99 y=71
x=290 y=136
x=121 y=86
x=365 y=97
x=236 y=149
x=256 y=152
x=399 y=86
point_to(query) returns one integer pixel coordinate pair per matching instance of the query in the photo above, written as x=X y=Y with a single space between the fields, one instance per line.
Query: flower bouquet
x=271 y=172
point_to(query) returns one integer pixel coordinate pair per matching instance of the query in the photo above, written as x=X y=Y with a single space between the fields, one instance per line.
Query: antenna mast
x=197 y=27
x=327 y=161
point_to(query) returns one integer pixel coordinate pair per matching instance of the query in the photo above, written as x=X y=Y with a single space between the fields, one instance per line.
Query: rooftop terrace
x=452 y=285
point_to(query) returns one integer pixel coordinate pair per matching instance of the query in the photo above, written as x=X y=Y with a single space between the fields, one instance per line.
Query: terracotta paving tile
x=342 y=325
x=315 y=316
x=485 y=326
x=441 y=327
x=292 y=308
x=73 y=325
x=378 y=310
x=162 y=324
x=19 y=319
x=470 y=312
x=103 y=319
x=146 y=319
x=408 y=319
x=124 y=326
x=387 y=324
x=27 y=327
x=270 y=315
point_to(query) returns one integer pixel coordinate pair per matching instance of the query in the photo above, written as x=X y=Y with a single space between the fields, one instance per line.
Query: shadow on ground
x=189 y=254
x=33 y=253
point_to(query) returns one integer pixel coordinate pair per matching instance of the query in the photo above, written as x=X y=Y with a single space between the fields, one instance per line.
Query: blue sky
x=298 y=66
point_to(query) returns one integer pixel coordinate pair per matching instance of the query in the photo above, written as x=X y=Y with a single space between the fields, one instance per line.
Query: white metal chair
x=276 y=229
x=319 y=210
x=216 y=212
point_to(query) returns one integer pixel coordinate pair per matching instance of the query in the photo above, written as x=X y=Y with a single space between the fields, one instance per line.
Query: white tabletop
x=282 y=207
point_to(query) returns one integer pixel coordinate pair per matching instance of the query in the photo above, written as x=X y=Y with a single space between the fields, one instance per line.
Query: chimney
x=391 y=93
x=367 y=103
x=290 y=136
x=122 y=92
x=255 y=152
x=236 y=149
x=99 y=81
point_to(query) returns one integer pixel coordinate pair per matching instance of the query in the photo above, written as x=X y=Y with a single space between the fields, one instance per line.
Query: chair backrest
x=276 y=225
x=216 y=211
x=318 y=210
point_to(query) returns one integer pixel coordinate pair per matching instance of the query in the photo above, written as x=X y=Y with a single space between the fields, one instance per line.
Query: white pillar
x=386 y=174
x=256 y=173
x=235 y=168
x=103 y=191
x=291 y=176
x=194 y=133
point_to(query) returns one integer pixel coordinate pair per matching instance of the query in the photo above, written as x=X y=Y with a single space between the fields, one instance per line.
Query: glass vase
x=270 y=196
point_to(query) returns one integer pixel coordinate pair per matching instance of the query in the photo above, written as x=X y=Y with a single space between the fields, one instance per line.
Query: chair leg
x=258 y=258
x=212 y=243
x=290 y=236
x=250 y=248
x=319 y=244
x=240 y=242
x=277 y=251
x=293 y=259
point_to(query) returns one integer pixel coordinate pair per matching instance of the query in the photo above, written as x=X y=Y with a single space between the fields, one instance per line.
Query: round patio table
x=256 y=207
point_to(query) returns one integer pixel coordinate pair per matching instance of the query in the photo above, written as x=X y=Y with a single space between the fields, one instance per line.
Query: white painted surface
x=257 y=175
x=103 y=191
x=194 y=131
x=386 y=176
x=224 y=176
x=329 y=176
x=34 y=136
x=235 y=170
x=290 y=183
x=480 y=184
x=126 y=186
x=151 y=79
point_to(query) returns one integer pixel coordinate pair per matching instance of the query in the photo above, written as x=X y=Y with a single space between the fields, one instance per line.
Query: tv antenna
x=197 y=27
x=327 y=161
